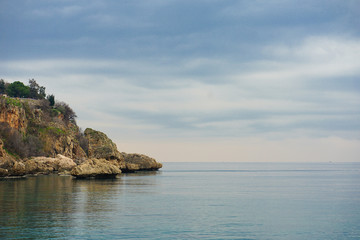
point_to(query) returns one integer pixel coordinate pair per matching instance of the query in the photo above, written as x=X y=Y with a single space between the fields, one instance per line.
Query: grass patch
x=13 y=102
x=55 y=112
x=52 y=131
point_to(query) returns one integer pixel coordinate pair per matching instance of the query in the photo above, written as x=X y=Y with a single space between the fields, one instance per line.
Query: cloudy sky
x=204 y=80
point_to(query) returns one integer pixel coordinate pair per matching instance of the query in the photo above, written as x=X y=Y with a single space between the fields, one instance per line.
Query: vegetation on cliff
x=32 y=125
x=18 y=89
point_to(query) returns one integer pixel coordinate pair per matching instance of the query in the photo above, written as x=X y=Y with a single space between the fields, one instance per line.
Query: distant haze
x=203 y=80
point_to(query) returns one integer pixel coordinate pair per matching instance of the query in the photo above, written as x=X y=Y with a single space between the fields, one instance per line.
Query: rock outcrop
x=97 y=168
x=8 y=165
x=31 y=128
x=135 y=162
x=11 y=167
x=37 y=122
x=47 y=165
x=100 y=146
x=13 y=114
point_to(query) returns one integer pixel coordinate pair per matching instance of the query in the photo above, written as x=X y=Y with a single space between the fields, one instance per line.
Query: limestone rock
x=18 y=169
x=66 y=145
x=64 y=163
x=100 y=146
x=2 y=150
x=33 y=166
x=132 y=167
x=97 y=168
x=4 y=172
x=14 y=115
x=11 y=167
x=47 y=165
x=136 y=162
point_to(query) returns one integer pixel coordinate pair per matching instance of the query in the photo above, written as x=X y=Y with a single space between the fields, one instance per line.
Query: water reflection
x=35 y=203
x=58 y=206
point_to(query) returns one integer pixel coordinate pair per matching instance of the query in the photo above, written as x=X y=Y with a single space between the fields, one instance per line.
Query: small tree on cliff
x=36 y=91
x=51 y=99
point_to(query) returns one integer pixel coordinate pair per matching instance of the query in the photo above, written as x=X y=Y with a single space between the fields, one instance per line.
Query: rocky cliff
x=13 y=115
x=37 y=138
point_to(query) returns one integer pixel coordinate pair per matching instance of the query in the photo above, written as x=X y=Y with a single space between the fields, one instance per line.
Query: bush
x=69 y=114
x=15 y=143
x=51 y=99
x=83 y=141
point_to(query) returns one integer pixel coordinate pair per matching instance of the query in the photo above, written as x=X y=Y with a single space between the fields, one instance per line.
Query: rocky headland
x=36 y=138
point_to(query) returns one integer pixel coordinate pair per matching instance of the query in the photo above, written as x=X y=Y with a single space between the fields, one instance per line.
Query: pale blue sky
x=192 y=80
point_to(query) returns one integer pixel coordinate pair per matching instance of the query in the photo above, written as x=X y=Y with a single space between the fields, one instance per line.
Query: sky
x=204 y=80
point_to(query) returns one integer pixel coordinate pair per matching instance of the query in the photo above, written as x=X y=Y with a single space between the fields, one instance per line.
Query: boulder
x=47 y=165
x=100 y=146
x=64 y=163
x=35 y=166
x=96 y=168
x=4 y=172
x=135 y=162
x=11 y=167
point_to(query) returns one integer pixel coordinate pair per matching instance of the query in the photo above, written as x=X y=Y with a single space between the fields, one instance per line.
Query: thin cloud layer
x=180 y=70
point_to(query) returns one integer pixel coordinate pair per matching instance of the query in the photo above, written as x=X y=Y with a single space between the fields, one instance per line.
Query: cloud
x=179 y=70
x=65 y=11
x=287 y=95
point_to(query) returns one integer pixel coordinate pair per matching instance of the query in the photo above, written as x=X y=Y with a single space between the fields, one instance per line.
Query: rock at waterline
x=48 y=165
x=95 y=168
x=136 y=162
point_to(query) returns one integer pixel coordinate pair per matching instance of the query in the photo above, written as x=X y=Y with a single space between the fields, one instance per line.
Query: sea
x=189 y=201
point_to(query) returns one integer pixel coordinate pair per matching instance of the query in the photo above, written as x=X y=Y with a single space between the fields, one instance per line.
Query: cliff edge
x=38 y=138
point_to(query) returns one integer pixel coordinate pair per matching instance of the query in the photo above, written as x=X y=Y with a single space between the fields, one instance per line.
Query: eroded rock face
x=14 y=116
x=100 y=146
x=98 y=168
x=67 y=146
x=135 y=162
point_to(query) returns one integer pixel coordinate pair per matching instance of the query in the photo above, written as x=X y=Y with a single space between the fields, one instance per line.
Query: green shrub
x=52 y=131
x=13 y=102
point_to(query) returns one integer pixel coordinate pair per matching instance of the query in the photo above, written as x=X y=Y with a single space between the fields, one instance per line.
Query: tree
x=51 y=99
x=34 y=88
x=36 y=91
x=18 y=89
x=2 y=86
x=42 y=93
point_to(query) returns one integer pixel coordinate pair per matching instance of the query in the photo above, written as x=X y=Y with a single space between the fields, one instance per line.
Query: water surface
x=189 y=201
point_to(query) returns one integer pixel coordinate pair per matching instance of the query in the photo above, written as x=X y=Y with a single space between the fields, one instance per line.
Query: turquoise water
x=189 y=201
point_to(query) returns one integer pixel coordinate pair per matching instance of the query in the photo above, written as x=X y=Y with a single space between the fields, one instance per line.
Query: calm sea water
x=189 y=201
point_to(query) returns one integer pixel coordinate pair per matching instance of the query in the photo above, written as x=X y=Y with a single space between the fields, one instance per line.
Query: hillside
x=35 y=135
